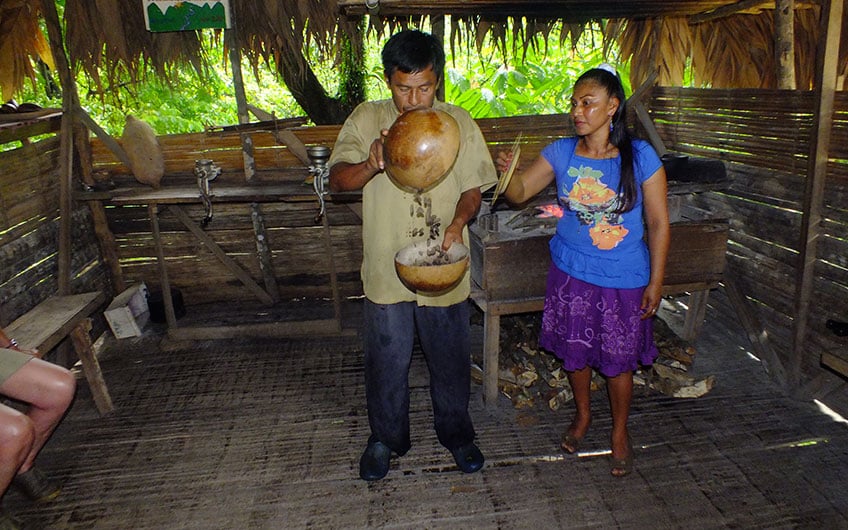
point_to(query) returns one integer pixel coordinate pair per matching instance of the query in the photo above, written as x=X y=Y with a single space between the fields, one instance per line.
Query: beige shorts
x=10 y=362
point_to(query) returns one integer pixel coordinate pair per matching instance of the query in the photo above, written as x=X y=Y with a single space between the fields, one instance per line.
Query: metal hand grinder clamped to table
x=206 y=171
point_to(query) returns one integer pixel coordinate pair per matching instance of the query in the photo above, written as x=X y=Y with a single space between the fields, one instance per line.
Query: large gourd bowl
x=421 y=148
x=423 y=266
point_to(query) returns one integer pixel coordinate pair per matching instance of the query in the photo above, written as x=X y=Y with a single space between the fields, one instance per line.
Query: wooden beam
x=331 y=261
x=784 y=43
x=643 y=89
x=653 y=135
x=635 y=101
x=222 y=256
x=231 y=42
x=66 y=143
x=835 y=362
x=104 y=137
x=754 y=330
x=284 y=136
x=267 y=123
x=731 y=9
x=27 y=127
x=263 y=252
x=568 y=10
x=811 y=230
x=108 y=247
x=164 y=282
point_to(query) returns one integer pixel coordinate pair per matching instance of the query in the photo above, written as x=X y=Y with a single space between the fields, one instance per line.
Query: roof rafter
x=569 y=10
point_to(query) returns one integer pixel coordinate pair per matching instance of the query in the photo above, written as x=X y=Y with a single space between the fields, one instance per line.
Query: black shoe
x=7 y=522
x=840 y=329
x=374 y=463
x=35 y=485
x=468 y=458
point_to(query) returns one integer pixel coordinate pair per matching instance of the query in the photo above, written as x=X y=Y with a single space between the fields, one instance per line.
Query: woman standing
x=605 y=282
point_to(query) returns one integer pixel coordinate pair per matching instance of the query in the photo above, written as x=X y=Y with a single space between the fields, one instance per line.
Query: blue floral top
x=593 y=243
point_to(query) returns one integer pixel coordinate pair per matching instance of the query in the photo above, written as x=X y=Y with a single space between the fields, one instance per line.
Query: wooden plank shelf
x=836 y=362
x=20 y=126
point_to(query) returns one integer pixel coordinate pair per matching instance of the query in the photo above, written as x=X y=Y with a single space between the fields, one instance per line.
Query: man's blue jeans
x=443 y=333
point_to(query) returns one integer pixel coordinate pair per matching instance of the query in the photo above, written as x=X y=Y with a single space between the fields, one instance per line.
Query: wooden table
x=509 y=277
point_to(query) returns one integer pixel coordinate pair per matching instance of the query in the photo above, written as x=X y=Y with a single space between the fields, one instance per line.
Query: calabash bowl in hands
x=425 y=266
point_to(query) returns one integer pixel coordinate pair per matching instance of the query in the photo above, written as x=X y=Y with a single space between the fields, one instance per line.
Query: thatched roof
x=20 y=41
x=572 y=10
x=727 y=46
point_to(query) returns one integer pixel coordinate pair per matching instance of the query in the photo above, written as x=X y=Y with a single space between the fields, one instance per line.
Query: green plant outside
x=482 y=82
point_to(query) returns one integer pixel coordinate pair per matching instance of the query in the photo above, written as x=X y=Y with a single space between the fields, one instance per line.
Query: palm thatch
x=21 y=40
x=108 y=37
x=719 y=58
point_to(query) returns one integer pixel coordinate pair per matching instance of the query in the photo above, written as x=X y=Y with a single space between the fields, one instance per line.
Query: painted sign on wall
x=171 y=15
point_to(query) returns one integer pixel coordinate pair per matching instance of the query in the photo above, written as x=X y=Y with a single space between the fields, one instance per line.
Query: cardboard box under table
x=128 y=313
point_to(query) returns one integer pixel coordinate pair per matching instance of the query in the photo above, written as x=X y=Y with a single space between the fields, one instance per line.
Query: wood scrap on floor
x=532 y=377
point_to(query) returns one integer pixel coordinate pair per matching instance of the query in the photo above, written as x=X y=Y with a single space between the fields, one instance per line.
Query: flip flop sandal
x=9 y=107
x=570 y=443
x=621 y=467
x=28 y=107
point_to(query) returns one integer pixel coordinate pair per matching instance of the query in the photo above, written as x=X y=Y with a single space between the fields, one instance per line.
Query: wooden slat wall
x=29 y=231
x=180 y=151
x=298 y=254
x=763 y=136
x=299 y=258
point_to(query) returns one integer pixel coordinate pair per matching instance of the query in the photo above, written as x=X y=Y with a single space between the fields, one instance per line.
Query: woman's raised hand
x=503 y=160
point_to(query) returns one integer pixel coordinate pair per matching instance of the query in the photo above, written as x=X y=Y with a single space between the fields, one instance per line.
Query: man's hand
x=453 y=234
x=375 y=161
x=347 y=177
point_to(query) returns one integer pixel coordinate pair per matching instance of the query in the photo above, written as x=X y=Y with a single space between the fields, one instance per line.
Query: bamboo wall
x=29 y=235
x=763 y=137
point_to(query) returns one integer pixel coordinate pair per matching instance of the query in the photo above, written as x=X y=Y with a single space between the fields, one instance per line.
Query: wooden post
x=334 y=282
x=164 y=283
x=263 y=251
x=825 y=86
x=81 y=337
x=108 y=248
x=231 y=41
x=784 y=43
x=66 y=143
x=437 y=27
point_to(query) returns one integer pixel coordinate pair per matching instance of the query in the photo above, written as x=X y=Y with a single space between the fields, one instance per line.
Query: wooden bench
x=58 y=317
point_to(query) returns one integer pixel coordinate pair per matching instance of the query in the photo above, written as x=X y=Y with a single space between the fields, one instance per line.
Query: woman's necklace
x=606 y=152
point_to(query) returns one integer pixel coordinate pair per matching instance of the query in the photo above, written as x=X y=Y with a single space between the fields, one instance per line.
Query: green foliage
x=539 y=84
x=483 y=82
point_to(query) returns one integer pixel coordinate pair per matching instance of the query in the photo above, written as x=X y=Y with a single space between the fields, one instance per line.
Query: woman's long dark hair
x=619 y=137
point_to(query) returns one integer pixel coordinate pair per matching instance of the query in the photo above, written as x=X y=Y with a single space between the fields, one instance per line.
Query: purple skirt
x=586 y=325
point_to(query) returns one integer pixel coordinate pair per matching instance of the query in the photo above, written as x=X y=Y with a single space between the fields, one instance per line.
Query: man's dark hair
x=412 y=51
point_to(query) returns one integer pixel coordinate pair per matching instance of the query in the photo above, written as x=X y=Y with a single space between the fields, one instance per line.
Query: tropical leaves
x=540 y=82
